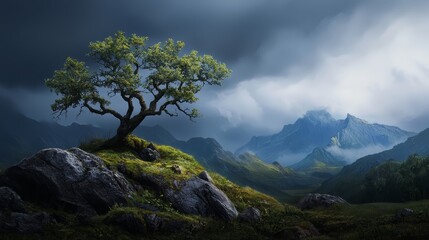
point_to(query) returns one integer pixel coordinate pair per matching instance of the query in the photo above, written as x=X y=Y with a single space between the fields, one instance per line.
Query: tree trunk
x=125 y=128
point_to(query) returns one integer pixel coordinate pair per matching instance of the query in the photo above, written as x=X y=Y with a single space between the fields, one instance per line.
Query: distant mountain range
x=345 y=139
x=245 y=169
x=21 y=136
x=348 y=182
x=314 y=136
x=320 y=162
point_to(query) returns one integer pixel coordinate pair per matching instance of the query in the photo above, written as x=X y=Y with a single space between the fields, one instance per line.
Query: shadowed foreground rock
x=23 y=222
x=73 y=180
x=251 y=215
x=314 y=200
x=149 y=154
x=201 y=197
x=11 y=201
x=14 y=217
x=401 y=214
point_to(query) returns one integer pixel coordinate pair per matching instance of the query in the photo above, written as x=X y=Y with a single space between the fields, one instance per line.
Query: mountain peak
x=317 y=113
x=350 y=118
x=320 y=116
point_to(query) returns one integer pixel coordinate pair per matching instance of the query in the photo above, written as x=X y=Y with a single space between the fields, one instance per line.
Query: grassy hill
x=364 y=221
x=279 y=221
x=275 y=215
x=245 y=169
x=348 y=183
x=371 y=221
x=320 y=162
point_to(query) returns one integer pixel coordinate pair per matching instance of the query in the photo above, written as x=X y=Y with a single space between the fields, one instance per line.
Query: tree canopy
x=398 y=182
x=157 y=79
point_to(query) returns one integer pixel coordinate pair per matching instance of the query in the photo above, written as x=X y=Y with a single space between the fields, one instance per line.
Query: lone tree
x=151 y=80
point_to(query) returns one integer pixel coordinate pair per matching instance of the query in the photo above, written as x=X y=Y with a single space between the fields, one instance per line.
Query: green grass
x=152 y=198
x=275 y=214
x=244 y=197
x=365 y=221
x=163 y=166
x=372 y=221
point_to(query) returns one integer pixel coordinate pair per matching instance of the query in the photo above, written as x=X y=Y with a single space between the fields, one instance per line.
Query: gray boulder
x=314 y=200
x=401 y=214
x=176 y=169
x=23 y=222
x=200 y=197
x=11 y=201
x=405 y=212
x=73 y=180
x=205 y=176
x=251 y=215
x=149 y=154
x=153 y=222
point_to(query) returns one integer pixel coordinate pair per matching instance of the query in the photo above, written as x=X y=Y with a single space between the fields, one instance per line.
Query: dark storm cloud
x=273 y=47
x=38 y=35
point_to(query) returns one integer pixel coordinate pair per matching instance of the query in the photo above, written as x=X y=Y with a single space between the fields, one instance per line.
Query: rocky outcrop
x=401 y=214
x=153 y=222
x=314 y=200
x=201 y=197
x=197 y=195
x=23 y=222
x=205 y=176
x=251 y=215
x=14 y=217
x=11 y=201
x=150 y=153
x=73 y=180
x=176 y=169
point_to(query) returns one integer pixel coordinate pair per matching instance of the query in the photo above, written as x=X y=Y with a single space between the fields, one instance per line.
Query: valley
x=321 y=170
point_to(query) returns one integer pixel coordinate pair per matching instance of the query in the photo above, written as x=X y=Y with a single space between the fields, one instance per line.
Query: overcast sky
x=367 y=58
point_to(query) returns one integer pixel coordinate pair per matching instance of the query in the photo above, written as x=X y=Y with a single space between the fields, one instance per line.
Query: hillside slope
x=21 y=136
x=348 y=182
x=152 y=210
x=245 y=169
x=319 y=161
x=149 y=214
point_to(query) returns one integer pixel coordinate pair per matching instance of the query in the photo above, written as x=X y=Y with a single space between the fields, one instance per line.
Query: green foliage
x=153 y=199
x=244 y=197
x=275 y=214
x=75 y=83
x=365 y=221
x=393 y=181
x=127 y=67
x=371 y=221
x=161 y=167
x=117 y=211
x=139 y=214
x=92 y=145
